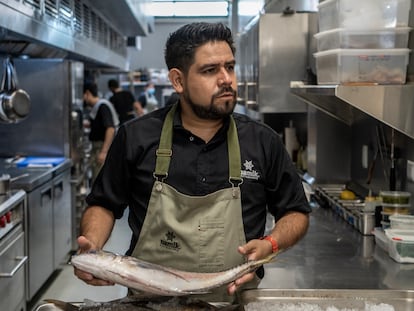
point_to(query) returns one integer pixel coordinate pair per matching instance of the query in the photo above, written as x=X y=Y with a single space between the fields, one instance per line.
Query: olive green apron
x=194 y=233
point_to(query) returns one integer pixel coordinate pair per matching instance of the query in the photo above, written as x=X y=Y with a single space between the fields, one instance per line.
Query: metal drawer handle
x=22 y=259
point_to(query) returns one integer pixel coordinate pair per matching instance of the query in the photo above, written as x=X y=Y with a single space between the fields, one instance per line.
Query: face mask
x=151 y=91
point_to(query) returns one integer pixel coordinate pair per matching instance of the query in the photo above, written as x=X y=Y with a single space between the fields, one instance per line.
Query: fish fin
x=62 y=305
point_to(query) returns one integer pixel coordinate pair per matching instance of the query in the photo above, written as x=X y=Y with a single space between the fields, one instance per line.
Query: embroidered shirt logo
x=248 y=171
x=169 y=242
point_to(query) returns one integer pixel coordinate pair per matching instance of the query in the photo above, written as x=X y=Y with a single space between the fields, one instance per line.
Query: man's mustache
x=223 y=90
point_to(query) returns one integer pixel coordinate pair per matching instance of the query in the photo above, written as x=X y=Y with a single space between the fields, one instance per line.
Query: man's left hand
x=253 y=250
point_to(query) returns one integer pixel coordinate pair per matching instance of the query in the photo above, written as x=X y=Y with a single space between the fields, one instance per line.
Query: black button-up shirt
x=270 y=180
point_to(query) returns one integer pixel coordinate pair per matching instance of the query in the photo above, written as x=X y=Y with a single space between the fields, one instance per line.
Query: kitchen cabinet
x=62 y=215
x=40 y=236
x=49 y=218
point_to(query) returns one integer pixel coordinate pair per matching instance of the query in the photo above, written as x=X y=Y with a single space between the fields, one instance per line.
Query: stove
x=13 y=251
x=355 y=212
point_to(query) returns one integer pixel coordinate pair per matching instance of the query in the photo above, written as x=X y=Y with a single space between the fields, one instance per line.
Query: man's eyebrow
x=232 y=62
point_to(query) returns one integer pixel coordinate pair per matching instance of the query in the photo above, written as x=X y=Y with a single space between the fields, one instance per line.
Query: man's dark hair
x=91 y=87
x=113 y=84
x=182 y=44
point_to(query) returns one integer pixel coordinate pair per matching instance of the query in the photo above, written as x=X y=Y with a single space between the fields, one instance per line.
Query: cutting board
x=39 y=161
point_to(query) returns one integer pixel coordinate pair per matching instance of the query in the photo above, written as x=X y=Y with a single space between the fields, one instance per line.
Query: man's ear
x=176 y=78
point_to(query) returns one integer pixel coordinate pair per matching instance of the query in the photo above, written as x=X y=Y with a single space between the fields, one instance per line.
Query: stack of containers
x=362 y=41
x=394 y=203
x=399 y=225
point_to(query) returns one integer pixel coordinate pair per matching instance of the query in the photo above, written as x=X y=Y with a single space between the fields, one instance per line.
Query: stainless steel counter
x=32 y=177
x=333 y=255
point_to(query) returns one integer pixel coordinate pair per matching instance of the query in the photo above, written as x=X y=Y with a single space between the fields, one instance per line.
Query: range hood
x=72 y=29
x=391 y=104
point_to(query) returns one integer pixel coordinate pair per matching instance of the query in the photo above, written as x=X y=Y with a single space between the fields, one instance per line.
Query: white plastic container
x=382 y=66
x=381 y=239
x=401 y=245
x=404 y=222
x=342 y=38
x=363 y=14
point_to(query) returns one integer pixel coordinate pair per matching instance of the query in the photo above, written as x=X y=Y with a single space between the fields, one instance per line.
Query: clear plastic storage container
x=382 y=66
x=341 y=38
x=405 y=222
x=400 y=245
x=395 y=197
x=365 y=14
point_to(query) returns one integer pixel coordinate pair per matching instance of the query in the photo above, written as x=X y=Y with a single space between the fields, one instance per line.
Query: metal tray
x=401 y=300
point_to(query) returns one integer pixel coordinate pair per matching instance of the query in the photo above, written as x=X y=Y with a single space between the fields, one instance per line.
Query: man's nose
x=224 y=77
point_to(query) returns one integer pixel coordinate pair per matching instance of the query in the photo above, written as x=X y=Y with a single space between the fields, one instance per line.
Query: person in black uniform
x=103 y=123
x=124 y=102
x=197 y=178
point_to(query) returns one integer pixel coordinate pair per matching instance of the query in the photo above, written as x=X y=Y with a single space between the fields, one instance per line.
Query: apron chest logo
x=169 y=241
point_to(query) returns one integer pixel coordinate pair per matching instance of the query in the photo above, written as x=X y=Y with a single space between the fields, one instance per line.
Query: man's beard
x=213 y=112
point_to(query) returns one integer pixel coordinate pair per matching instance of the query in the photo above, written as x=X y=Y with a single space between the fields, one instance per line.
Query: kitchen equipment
x=354 y=212
x=392 y=158
x=49 y=223
x=383 y=38
x=14 y=102
x=395 y=197
x=54 y=127
x=5 y=181
x=13 y=255
x=367 y=14
x=401 y=245
x=376 y=66
x=265 y=51
x=401 y=300
x=405 y=222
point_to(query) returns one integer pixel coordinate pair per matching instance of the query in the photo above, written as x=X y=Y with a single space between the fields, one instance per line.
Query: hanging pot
x=14 y=102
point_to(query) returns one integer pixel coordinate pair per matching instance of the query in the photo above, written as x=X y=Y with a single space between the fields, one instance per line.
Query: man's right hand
x=85 y=246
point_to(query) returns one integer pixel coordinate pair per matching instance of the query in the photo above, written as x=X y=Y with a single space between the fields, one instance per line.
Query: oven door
x=12 y=271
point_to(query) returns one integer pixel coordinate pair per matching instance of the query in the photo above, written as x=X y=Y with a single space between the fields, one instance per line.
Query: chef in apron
x=198 y=233
x=212 y=224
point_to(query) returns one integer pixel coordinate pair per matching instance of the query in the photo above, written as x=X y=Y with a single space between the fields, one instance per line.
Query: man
x=124 y=102
x=103 y=122
x=147 y=98
x=198 y=180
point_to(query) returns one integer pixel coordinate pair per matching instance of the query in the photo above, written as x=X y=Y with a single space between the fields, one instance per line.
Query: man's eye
x=209 y=70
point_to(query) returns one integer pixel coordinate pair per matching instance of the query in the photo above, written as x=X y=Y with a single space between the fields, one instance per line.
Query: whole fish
x=182 y=303
x=156 y=279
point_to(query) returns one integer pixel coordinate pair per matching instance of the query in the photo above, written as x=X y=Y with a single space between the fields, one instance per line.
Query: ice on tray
x=302 y=306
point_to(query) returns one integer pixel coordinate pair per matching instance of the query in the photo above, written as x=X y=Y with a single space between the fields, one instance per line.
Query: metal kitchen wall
x=273 y=50
x=54 y=126
x=351 y=129
x=336 y=131
x=55 y=88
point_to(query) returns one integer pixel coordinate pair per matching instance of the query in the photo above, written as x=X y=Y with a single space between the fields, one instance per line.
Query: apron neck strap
x=164 y=151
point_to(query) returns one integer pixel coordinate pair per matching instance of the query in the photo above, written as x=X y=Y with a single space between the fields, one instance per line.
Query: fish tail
x=269 y=258
x=62 y=305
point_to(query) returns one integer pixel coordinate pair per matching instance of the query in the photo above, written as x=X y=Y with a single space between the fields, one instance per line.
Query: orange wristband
x=275 y=246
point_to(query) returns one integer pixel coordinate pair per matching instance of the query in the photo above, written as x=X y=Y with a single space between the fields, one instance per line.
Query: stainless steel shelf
x=391 y=104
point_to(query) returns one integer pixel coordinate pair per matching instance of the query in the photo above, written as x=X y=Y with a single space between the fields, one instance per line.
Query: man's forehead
x=214 y=52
